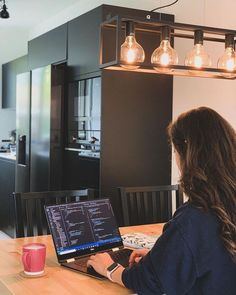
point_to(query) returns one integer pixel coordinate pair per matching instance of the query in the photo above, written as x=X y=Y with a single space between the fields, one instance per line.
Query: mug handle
x=25 y=260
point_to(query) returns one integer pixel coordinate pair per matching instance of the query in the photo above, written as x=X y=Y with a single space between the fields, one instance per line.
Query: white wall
x=218 y=94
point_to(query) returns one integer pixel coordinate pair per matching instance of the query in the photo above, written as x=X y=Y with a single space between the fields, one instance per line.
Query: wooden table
x=57 y=279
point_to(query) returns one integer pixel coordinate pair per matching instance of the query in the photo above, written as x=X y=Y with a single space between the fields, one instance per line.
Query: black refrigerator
x=39 y=129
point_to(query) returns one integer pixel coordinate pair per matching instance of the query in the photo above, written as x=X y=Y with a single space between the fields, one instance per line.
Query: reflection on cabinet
x=84 y=116
x=7 y=181
x=9 y=72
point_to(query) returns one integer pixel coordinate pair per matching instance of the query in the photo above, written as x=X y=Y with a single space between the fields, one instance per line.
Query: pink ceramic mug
x=33 y=258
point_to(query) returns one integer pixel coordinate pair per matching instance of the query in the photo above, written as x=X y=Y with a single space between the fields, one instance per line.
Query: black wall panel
x=136 y=109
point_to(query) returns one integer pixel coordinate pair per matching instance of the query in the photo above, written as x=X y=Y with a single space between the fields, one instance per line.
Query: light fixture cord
x=164 y=6
x=3 y=2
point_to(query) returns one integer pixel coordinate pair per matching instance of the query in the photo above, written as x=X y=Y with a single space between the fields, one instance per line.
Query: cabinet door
x=9 y=72
x=8 y=85
x=83 y=43
x=48 y=48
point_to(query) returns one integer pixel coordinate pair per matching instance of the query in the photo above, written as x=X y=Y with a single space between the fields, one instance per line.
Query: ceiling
x=26 y=14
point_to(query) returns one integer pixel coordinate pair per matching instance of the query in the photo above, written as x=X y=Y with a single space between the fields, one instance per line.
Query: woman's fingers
x=136 y=259
x=136 y=255
x=100 y=262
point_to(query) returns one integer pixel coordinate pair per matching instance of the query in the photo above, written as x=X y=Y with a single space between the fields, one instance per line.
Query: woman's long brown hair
x=206 y=144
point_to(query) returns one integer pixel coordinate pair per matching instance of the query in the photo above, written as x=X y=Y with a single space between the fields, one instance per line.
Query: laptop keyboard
x=82 y=262
x=81 y=265
x=120 y=256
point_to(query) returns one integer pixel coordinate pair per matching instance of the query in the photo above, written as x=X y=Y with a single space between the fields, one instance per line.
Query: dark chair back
x=30 y=219
x=149 y=204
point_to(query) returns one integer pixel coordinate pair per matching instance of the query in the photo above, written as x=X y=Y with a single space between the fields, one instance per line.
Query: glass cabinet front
x=84 y=116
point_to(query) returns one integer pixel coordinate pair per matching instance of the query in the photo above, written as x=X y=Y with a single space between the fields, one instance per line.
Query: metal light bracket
x=178 y=30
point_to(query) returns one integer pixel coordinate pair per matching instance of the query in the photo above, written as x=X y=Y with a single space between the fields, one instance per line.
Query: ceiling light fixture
x=3 y=12
x=164 y=59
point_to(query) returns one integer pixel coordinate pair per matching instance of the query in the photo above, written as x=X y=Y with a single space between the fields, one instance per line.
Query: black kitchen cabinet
x=9 y=72
x=135 y=107
x=80 y=172
x=7 y=181
x=48 y=48
x=8 y=85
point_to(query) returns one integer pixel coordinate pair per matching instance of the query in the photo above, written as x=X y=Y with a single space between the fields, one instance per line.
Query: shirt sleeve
x=168 y=268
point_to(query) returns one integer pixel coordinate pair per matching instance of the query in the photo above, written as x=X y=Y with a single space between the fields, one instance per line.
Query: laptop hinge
x=70 y=260
x=115 y=249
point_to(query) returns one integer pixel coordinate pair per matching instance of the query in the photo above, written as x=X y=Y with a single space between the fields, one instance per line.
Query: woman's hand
x=136 y=255
x=100 y=262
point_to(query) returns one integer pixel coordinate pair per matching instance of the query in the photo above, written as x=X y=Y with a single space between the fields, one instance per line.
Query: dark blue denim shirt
x=189 y=258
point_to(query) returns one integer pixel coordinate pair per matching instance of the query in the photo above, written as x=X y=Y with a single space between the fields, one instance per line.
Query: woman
x=196 y=253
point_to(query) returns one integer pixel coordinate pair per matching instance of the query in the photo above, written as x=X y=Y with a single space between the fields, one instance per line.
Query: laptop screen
x=82 y=228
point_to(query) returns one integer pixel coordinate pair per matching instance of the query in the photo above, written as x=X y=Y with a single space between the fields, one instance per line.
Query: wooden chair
x=149 y=204
x=30 y=219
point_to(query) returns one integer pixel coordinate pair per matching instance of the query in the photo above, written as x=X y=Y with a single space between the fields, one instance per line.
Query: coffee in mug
x=33 y=258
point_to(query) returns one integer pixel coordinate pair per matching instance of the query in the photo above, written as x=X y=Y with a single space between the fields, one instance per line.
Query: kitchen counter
x=7 y=187
x=85 y=153
x=8 y=156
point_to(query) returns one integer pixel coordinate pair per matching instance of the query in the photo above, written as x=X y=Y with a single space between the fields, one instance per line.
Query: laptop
x=82 y=229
